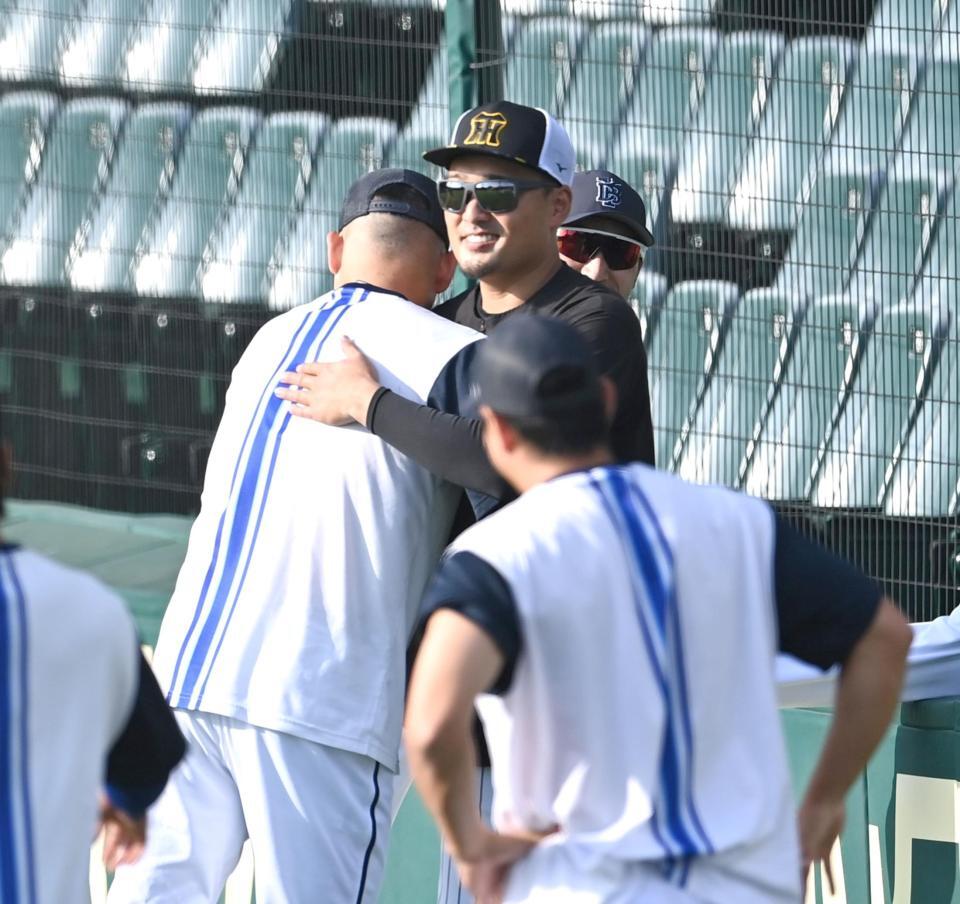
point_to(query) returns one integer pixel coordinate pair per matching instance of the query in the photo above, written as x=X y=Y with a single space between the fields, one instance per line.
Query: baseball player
x=78 y=705
x=605 y=235
x=283 y=647
x=620 y=628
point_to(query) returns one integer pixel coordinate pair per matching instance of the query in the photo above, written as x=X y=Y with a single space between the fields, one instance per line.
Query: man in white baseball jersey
x=80 y=716
x=283 y=647
x=620 y=628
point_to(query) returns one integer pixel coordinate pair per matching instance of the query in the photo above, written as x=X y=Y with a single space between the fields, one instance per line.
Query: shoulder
x=577 y=297
x=457 y=307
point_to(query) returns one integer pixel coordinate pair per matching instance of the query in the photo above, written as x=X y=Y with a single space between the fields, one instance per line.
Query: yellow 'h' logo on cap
x=485 y=129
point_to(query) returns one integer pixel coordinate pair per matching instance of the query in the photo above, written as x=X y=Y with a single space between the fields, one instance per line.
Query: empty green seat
x=646 y=300
x=31 y=40
x=737 y=83
x=407 y=151
x=906 y=21
x=796 y=123
x=274 y=180
x=932 y=134
x=741 y=388
x=828 y=345
x=680 y=355
x=832 y=222
x=74 y=166
x=139 y=182
x=431 y=115
x=94 y=43
x=939 y=281
x=602 y=82
x=205 y=182
x=541 y=62
x=678 y=12
x=880 y=405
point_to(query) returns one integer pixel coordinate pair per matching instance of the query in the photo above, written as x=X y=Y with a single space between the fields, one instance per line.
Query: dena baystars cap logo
x=486 y=129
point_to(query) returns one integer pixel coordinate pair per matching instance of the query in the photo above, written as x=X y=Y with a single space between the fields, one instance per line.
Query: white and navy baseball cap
x=601 y=193
x=525 y=135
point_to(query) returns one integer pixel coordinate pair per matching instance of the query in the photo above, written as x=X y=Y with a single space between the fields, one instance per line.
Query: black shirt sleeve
x=824 y=604
x=474 y=588
x=148 y=749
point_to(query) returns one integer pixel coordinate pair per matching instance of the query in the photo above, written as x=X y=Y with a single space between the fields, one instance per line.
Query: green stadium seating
x=646 y=300
x=932 y=135
x=350 y=148
x=678 y=12
x=741 y=388
x=828 y=346
x=73 y=169
x=832 y=223
x=680 y=355
x=897 y=236
x=602 y=82
x=431 y=114
x=274 y=179
x=31 y=40
x=541 y=61
x=796 y=123
x=24 y=119
x=667 y=91
x=140 y=180
x=239 y=53
x=880 y=405
x=163 y=50
x=407 y=151
x=939 y=281
x=93 y=44
x=737 y=83
x=205 y=181
x=896 y=22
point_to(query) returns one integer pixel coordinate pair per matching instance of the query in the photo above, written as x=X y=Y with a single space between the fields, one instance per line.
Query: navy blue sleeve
x=824 y=604
x=473 y=587
x=147 y=750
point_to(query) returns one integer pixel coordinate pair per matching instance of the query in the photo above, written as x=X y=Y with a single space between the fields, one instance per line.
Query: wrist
x=361 y=399
x=471 y=844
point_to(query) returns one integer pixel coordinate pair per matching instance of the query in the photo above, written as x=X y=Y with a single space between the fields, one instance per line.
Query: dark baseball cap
x=525 y=135
x=360 y=199
x=603 y=193
x=532 y=366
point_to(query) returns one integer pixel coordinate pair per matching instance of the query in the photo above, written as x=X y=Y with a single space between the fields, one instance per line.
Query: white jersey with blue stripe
x=641 y=715
x=69 y=673
x=307 y=561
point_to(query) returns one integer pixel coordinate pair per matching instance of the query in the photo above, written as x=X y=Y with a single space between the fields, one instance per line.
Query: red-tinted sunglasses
x=582 y=245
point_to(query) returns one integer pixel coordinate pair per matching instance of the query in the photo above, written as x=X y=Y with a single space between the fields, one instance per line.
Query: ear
x=561 y=200
x=334 y=252
x=609 y=398
x=446 y=267
x=498 y=435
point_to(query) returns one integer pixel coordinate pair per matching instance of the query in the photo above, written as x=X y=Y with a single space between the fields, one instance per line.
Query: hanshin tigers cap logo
x=525 y=135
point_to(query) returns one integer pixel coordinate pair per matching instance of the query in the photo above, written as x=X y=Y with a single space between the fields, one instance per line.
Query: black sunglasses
x=493 y=195
x=582 y=245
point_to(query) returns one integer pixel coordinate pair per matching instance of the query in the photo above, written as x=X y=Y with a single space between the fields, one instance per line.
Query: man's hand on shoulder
x=336 y=393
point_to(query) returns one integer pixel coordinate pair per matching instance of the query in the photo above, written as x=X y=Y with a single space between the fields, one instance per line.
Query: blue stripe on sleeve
x=8 y=853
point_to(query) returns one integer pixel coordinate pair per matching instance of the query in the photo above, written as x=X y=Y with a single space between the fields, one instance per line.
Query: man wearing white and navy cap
x=618 y=628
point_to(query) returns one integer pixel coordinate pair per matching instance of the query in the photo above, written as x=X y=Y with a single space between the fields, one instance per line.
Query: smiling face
x=500 y=247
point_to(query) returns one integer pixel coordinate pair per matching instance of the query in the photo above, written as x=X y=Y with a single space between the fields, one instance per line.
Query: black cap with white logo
x=361 y=199
x=532 y=366
x=526 y=135
x=601 y=193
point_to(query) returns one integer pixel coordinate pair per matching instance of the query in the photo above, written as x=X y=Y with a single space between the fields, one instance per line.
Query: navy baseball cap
x=360 y=199
x=603 y=193
x=533 y=366
x=525 y=135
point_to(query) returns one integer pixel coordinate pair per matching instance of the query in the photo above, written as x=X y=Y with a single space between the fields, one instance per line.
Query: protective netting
x=168 y=170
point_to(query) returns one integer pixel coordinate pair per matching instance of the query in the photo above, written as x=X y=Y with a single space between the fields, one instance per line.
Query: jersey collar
x=375 y=288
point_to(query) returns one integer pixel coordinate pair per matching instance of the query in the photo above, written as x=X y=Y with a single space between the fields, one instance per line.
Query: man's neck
x=505 y=294
x=541 y=470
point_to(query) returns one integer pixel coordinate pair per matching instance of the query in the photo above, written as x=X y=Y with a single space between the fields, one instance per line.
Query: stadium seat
x=667 y=91
x=796 y=123
x=678 y=12
x=162 y=52
x=680 y=355
x=832 y=222
x=741 y=388
x=875 y=106
x=897 y=235
x=25 y=117
x=932 y=134
x=535 y=7
x=210 y=165
x=94 y=43
x=73 y=169
x=896 y=22
x=239 y=53
x=827 y=348
x=926 y=481
x=407 y=151
x=646 y=301
x=880 y=405
x=431 y=115
x=735 y=91
x=602 y=82
x=541 y=62
x=350 y=148
x=274 y=179
x=939 y=282
x=141 y=177
x=31 y=40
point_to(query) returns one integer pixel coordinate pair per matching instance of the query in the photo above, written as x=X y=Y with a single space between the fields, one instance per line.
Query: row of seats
x=834 y=401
